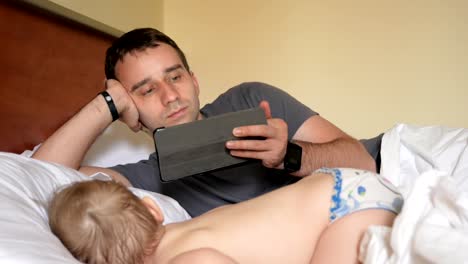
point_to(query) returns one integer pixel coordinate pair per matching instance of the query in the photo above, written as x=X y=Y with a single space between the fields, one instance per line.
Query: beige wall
x=123 y=15
x=364 y=65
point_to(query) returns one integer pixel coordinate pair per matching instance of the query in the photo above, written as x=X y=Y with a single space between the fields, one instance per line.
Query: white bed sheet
x=429 y=165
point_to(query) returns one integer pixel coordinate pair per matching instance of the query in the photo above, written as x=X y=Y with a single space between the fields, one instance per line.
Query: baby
x=319 y=219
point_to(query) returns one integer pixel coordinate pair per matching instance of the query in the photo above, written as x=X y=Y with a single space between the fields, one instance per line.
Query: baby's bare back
x=283 y=225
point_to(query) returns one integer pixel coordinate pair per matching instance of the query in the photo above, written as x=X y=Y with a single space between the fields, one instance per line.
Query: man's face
x=164 y=92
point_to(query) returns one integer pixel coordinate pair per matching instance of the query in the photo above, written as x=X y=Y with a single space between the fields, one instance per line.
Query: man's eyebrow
x=173 y=68
x=140 y=83
x=148 y=79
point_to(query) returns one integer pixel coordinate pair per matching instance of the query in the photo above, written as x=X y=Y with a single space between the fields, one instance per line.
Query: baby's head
x=103 y=222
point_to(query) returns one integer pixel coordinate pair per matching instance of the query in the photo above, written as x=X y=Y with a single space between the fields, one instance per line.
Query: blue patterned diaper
x=357 y=190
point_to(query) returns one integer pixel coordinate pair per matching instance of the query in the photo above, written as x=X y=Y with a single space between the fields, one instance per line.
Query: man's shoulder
x=253 y=88
x=243 y=96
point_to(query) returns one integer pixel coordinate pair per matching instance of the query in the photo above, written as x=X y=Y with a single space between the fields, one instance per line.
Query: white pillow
x=119 y=145
x=26 y=186
x=172 y=210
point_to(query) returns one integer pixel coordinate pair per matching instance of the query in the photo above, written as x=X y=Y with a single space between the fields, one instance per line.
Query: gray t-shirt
x=201 y=193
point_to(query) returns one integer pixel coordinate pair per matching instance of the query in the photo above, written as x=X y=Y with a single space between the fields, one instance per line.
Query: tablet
x=198 y=147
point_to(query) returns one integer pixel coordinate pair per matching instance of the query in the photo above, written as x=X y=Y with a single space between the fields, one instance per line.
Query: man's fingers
x=266 y=108
x=249 y=144
x=246 y=154
x=253 y=131
x=259 y=155
x=137 y=127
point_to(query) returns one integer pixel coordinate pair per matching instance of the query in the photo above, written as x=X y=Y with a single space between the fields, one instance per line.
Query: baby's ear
x=154 y=209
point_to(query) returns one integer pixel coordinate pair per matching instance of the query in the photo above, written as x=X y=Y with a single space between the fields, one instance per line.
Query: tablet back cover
x=198 y=147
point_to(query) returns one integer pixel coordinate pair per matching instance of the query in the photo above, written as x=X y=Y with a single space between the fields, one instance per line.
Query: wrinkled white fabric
x=408 y=151
x=375 y=245
x=443 y=235
x=429 y=166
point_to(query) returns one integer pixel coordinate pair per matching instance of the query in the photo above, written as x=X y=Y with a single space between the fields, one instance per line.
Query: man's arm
x=323 y=145
x=69 y=144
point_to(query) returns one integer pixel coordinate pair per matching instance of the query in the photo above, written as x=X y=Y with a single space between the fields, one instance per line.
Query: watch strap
x=292 y=159
x=111 y=105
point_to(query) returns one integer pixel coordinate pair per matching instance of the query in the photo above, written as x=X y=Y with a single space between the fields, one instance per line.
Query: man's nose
x=170 y=94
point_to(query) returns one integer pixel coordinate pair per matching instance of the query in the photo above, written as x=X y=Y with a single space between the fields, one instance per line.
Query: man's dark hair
x=137 y=40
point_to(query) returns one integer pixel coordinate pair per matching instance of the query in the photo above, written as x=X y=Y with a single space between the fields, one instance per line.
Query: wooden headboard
x=50 y=67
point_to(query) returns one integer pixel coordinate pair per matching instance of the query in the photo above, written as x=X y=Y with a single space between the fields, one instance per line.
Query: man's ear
x=195 y=82
x=154 y=209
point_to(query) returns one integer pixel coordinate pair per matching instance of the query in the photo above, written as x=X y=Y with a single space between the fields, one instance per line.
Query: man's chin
x=179 y=122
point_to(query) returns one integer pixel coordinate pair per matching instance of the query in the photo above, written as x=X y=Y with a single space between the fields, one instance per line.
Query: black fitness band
x=111 y=105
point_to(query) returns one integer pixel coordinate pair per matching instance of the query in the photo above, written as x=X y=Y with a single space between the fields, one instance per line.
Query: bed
x=52 y=66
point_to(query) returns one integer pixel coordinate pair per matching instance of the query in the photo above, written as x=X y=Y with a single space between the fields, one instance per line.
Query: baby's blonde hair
x=103 y=222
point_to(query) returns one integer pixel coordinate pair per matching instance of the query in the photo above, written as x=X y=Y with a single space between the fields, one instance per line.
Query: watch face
x=292 y=160
x=293 y=157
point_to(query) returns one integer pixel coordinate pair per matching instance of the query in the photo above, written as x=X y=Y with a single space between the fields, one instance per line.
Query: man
x=150 y=85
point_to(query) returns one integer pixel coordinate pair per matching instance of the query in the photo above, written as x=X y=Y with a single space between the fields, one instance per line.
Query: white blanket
x=429 y=166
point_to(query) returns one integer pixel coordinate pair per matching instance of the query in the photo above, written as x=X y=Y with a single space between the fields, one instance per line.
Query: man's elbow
x=369 y=164
x=366 y=162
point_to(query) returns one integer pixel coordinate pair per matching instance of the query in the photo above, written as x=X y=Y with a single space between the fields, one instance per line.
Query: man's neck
x=200 y=116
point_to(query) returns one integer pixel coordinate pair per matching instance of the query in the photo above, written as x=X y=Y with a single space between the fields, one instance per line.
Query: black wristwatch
x=292 y=159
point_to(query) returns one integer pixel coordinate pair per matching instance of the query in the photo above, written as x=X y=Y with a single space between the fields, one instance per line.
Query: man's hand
x=125 y=106
x=270 y=150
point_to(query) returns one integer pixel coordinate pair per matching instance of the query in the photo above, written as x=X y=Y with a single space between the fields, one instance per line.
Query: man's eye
x=147 y=91
x=175 y=78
